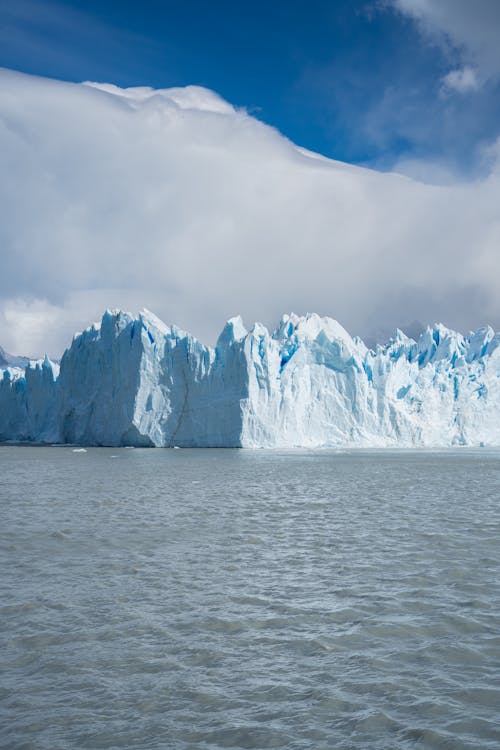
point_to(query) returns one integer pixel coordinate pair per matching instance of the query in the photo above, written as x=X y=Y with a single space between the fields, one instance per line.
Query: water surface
x=249 y=599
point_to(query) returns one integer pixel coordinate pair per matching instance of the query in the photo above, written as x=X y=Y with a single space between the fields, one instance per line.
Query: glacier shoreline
x=134 y=381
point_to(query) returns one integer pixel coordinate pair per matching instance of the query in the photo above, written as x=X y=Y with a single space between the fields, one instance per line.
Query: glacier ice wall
x=135 y=381
x=28 y=402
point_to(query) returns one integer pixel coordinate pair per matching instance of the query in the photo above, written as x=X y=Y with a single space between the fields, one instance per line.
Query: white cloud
x=462 y=80
x=431 y=172
x=182 y=204
x=26 y=321
x=468 y=31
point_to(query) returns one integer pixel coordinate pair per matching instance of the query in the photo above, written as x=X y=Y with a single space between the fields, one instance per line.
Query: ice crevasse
x=132 y=380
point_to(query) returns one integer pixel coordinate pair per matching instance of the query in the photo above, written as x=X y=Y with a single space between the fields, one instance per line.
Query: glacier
x=134 y=381
x=11 y=360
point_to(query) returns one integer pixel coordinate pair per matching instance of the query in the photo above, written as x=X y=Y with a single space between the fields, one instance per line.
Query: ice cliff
x=135 y=381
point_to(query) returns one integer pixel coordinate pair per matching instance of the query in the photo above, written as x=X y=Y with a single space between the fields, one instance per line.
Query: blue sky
x=405 y=84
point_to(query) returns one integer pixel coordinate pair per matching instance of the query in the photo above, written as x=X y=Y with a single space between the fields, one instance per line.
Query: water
x=238 y=599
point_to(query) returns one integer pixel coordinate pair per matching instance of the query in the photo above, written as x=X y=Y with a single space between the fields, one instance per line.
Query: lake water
x=249 y=599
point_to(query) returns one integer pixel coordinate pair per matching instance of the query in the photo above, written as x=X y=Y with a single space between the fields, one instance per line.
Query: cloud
x=26 y=322
x=468 y=31
x=176 y=201
x=462 y=80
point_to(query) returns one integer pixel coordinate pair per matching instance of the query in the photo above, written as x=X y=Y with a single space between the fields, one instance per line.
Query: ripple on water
x=239 y=599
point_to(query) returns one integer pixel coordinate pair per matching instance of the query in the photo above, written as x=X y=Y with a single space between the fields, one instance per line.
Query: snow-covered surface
x=136 y=381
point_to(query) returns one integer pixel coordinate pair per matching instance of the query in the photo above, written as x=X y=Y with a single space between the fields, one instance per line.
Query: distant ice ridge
x=10 y=360
x=136 y=381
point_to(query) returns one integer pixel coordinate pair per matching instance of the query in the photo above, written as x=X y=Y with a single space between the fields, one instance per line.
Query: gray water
x=249 y=599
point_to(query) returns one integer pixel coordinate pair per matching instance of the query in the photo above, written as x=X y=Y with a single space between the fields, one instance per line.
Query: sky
x=108 y=200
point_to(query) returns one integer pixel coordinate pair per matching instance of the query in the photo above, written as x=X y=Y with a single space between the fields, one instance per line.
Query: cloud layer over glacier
x=175 y=200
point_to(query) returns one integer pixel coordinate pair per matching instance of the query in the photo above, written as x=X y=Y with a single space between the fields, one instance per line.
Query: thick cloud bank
x=175 y=200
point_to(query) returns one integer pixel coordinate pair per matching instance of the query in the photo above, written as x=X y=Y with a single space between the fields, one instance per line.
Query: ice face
x=132 y=380
x=27 y=402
